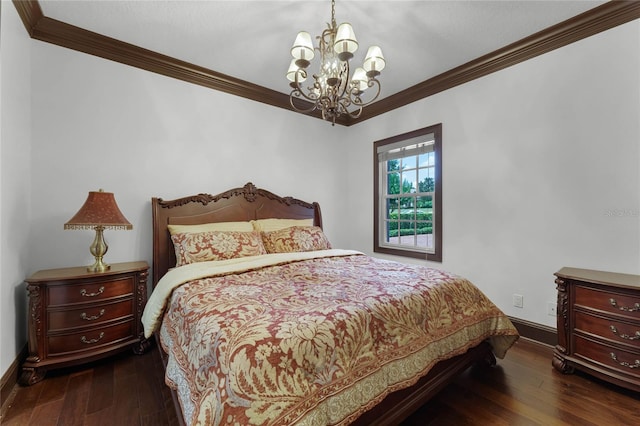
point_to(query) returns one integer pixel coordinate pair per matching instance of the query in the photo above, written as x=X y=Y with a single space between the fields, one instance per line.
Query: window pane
x=393 y=183
x=427 y=159
x=425 y=208
x=424 y=159
x=393 y=165
x=409 y=182
x=407 y=214
x=426 y=182
x=392 y=232
x=407 y=233
x=425 y=202
x=409 y=162
x=392 y=205
x=424 y=233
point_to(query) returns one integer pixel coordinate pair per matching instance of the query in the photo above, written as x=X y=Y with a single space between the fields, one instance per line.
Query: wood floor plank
x=75 y=400
x=47 y=414
x=149 y=386
x=125 y=409
x=53 y=387
x=102 y=388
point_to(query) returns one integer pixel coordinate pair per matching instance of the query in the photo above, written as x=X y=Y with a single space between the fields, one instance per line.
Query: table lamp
x=99 y=212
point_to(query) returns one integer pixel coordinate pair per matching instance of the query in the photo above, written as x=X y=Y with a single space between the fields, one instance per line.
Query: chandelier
x=332 y=92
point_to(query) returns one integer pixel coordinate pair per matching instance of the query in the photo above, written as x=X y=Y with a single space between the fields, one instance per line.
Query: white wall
x=541 y=169
x=15 y=172
x=100 y=124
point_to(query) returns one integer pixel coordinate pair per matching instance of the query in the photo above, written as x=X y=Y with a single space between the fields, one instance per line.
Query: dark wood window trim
x=436 y=130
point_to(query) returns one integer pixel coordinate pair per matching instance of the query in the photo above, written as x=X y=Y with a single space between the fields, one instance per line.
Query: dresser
x=598 y=317
x=77 y=316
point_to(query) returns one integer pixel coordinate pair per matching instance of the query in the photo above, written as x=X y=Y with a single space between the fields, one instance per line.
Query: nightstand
x=599 y=325
x=77 y=316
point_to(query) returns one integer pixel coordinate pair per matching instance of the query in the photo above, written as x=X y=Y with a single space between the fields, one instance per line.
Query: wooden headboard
x=238 y=204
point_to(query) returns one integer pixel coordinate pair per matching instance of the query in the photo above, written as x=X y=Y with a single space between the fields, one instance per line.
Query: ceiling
x=249 y=41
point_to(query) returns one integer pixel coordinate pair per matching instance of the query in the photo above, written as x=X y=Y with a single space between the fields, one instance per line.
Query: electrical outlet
x=518 y=300
x=551 y=308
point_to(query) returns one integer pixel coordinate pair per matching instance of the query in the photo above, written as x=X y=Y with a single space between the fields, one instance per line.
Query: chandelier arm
x=302 y=110
x=355 y=113
x=297 y=91
x=357 y=100
x=345 y=103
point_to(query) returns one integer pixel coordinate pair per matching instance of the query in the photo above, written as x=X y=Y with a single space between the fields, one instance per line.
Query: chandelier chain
x=333 y=14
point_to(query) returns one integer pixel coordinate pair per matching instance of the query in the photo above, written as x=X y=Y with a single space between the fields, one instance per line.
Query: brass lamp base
x=98 y=249
x=98 y=266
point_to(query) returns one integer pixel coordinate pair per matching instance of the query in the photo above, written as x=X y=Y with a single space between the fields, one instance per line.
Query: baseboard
x=538 y=332
x=10 y=378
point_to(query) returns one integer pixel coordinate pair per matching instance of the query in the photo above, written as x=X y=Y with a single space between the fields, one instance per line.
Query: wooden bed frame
x=250 y=203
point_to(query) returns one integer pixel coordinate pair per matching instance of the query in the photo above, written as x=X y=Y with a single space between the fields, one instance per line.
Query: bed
x=294 y=331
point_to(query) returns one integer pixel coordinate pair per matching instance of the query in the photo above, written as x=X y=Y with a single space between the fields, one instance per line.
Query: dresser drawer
x=616 y=331
x=90 y=315
x=90 y=339
x=89 y=292
x=608 y=301
x=626 y=362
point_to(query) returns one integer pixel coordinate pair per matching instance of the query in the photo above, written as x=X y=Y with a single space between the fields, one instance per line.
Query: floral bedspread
x=317 y=341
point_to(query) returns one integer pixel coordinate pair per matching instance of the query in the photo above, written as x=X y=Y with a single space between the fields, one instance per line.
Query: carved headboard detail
x=238 y=204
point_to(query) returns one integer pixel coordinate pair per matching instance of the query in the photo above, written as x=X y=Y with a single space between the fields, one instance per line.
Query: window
x=408 y=194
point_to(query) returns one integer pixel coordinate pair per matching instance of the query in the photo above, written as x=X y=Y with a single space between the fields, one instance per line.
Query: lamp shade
x=100 y=209
x=293 y=69
x=346 y=43
x=303 y=47
x=360 y=79
x=374 y=61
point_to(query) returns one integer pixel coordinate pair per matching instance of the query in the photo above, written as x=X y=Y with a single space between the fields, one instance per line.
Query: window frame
x=436 y=256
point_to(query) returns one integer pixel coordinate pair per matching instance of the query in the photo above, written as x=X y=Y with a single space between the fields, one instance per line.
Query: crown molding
x=591 y=22
x=62 y=34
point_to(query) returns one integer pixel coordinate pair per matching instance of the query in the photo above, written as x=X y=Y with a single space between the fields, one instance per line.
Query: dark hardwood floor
x=522 y=389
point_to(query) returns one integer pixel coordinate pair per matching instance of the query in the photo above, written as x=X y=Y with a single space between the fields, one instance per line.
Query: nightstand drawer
x=627 y=362
x=616 y=331
x=87 y=340
x=607 y=301
x=91 y=315
x=89 y=292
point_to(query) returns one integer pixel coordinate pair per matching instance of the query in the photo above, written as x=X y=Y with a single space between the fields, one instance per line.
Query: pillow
x=295 y=239
x=268 y=225
x=192 y=247
x=215 y=226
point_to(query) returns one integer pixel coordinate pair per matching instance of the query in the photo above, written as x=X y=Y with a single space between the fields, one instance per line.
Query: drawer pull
x=624 y=336
x=624 y=363
x=83 y=339
x=100 y=291
x=634 y=308
x=84 y=316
